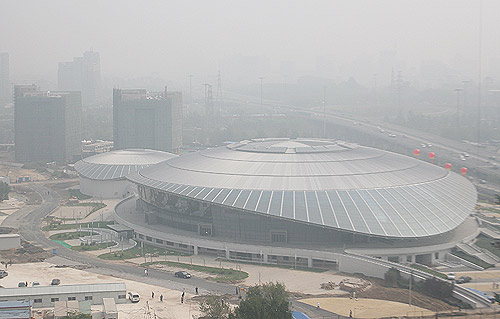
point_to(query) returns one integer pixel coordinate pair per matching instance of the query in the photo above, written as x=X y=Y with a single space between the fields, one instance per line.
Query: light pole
x=409 y=295
x=458 y=106
x=261 y=86
x=324 y=111
x=190 y=90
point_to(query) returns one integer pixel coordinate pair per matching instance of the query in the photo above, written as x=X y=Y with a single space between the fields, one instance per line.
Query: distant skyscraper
x=47 y=125
x=4 y=79
x=150 y=120
x=84 y=75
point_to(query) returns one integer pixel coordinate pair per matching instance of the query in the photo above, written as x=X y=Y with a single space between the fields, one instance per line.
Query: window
x=88 y=297
x=141 y=236
x=278 y=236
x=148 y=238
x=37 y=300
x=71 y=298
x=54 y=299
x=122 y=296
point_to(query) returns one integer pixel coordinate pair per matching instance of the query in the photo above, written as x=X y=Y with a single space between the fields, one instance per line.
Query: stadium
x=104 y=175
x=296 y=195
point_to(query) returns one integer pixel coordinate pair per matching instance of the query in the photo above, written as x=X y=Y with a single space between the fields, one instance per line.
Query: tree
x=392 y=277
x=497 y=198
x=213 y=307
x=268 y=301
x=4 y=191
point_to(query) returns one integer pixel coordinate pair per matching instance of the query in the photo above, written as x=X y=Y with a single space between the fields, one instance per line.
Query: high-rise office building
x=82 y=74
x=143 y=119
x=47 y=125
x=4 y=79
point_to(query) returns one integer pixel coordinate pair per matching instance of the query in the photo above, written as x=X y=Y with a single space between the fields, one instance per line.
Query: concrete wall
x=10 y=241
x=106 y=188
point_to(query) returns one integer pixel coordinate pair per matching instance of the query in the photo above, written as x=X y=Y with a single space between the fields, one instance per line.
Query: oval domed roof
x=120 y=163
x=326 y=182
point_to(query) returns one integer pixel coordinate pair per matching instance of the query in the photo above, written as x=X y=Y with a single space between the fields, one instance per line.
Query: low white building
x=46 y=296
x=103 y=175
x=9 y=241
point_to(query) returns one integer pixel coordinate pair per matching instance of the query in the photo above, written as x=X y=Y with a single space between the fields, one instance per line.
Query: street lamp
x=261 y=85
x=458 y=105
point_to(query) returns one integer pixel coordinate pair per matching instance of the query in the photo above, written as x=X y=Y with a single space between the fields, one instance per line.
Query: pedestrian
x=152 y=294
x=237 y=290
x=161 y=298
x=26 y=283
x=350 y=313
x=182 y=298
x=196 y=290
x=146 y=272
x=317 y=306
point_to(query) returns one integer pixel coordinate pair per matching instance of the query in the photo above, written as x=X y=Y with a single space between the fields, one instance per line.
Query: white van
x=133 y=296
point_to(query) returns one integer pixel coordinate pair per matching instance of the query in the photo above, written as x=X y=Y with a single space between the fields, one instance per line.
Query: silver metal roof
x=120 y=163
x=324 y=182
x=62 y=289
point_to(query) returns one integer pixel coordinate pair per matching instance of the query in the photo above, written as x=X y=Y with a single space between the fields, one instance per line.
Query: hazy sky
x=172 y=39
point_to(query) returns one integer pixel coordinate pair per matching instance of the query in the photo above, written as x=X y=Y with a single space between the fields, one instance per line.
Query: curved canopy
x=120 y=163
x=324 y=182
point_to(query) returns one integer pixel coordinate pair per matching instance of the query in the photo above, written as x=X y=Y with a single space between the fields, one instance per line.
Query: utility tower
x=209 y=100
x=218 y=94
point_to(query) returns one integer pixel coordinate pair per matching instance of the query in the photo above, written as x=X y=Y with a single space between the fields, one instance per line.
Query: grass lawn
x=491 y=209
x=318 y=270
x=95 y=207
x=137 y=252
x=221 y=274
x=472 y=259
x=485 y=243
x=70 y=235
x=76 y=193
x=429 y=271
x=73 y=226
x=93 y=247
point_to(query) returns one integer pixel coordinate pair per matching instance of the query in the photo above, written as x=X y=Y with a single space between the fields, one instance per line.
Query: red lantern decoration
x=416 y=152
x=447 y=166
x=463 y=170
x=431 y=155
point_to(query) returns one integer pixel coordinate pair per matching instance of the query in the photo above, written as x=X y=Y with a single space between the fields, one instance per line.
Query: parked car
x=3 y=274
x=463 y=279
x=451 y=276
x=55 y=282
x=133 y=296
x=183 y=274
x=21 y=284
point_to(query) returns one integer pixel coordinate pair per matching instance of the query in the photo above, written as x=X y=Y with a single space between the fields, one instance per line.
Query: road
x=29 y=225
x=480 y=162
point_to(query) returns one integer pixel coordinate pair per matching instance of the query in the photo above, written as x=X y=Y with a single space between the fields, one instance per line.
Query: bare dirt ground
x=376 y=291
x=27 y=253
x=367 y=308
x=15 y=173
x=302 y=282
x=171 y=307
x=11 y=205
